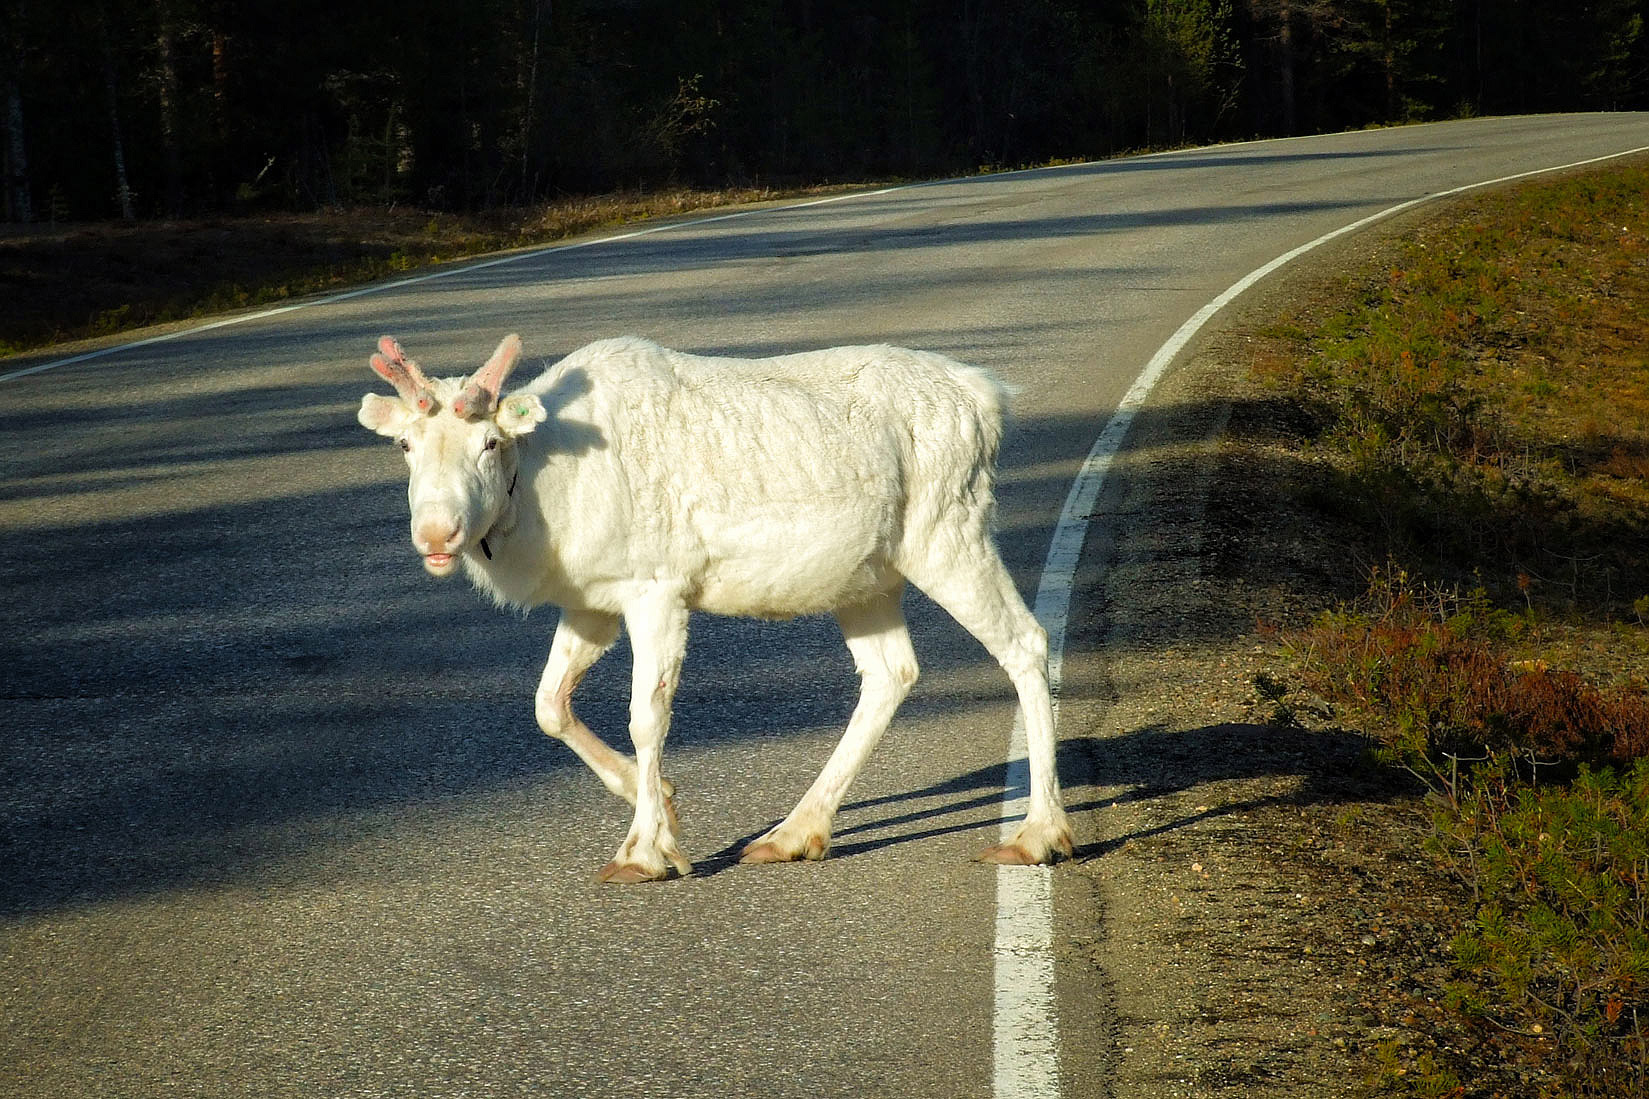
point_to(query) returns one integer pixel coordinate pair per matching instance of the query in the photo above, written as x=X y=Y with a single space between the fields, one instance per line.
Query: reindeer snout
x=438 y=538
x=438 y=534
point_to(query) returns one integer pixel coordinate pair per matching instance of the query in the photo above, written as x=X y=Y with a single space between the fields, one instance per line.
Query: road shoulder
x=1265 y=929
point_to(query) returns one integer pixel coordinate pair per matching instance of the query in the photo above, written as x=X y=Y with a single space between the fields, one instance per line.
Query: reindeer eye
x=404 y=443
x=492 y=442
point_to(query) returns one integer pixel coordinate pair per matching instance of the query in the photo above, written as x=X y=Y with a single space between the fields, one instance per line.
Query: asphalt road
x=276 y=817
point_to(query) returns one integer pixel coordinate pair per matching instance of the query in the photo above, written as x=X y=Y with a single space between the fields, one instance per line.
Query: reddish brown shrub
x=1431 y=686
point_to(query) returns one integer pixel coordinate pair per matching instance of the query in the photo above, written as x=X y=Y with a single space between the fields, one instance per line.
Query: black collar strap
x=486 y=549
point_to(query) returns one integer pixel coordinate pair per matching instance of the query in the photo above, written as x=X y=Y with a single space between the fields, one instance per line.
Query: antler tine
x=391 y=348
x=480 y=395
x=394 y=367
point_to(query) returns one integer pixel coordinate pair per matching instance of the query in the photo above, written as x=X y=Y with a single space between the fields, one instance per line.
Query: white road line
x=444 y=273
x=1026 y=1023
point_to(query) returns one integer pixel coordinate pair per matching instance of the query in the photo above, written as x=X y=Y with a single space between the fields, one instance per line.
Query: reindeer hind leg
x=875 y=634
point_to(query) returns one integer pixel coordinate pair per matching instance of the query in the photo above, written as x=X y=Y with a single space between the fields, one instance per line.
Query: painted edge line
x=1025 y=1024
x=430 y=276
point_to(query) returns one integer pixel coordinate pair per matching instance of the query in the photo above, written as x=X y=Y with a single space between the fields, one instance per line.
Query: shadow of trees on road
x=195 y=692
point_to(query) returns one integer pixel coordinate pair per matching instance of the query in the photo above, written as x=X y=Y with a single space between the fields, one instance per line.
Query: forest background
x=142 y=109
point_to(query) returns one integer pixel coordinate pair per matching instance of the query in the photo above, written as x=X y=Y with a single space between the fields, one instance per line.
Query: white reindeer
x=633 y=483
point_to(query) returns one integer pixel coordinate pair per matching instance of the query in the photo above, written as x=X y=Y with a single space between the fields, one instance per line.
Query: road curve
x=276 y=817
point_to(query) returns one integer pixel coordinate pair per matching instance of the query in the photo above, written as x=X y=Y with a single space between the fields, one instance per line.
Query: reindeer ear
x=385 y=415
x=519 y=413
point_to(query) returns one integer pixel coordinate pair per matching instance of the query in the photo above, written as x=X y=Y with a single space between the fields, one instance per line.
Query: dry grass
x=1485 y=401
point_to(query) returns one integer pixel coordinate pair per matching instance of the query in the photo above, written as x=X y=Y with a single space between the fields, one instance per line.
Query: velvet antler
x=392 y=364
x=480 y=395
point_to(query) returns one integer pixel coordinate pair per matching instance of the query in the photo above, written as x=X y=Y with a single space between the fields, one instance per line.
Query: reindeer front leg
x=581 y=638
x=658 y=641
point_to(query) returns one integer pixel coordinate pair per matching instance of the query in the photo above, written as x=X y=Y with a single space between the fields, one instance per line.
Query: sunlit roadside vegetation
x=1479 y=426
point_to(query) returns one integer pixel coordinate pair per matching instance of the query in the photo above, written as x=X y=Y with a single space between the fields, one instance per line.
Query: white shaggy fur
x=630 y=483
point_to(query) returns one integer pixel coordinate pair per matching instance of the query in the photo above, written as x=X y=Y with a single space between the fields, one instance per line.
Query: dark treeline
x=141 y=108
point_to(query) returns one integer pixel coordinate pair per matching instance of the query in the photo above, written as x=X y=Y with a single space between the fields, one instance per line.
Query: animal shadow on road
x=1140 y=766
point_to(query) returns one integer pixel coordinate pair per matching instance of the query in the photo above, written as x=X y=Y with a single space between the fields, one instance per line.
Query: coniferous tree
x=157 y=107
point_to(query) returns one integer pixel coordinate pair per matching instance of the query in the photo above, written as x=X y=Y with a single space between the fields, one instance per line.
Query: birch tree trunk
x=123 y=186
x=14 y=158
x=18 y=206
x=168 y=110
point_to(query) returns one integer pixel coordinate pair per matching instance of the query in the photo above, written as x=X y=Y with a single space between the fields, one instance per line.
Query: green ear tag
x=520 y=410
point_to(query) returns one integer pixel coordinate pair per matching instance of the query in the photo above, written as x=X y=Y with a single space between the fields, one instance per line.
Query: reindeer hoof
x=631 y=873
x=813 y=848
x=1007 y=854
x=1021 y=853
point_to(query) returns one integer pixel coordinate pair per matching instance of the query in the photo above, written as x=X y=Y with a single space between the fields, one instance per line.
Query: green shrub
x=1559 y=942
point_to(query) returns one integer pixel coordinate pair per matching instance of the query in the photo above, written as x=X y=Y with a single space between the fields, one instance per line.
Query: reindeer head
x=458 y=437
